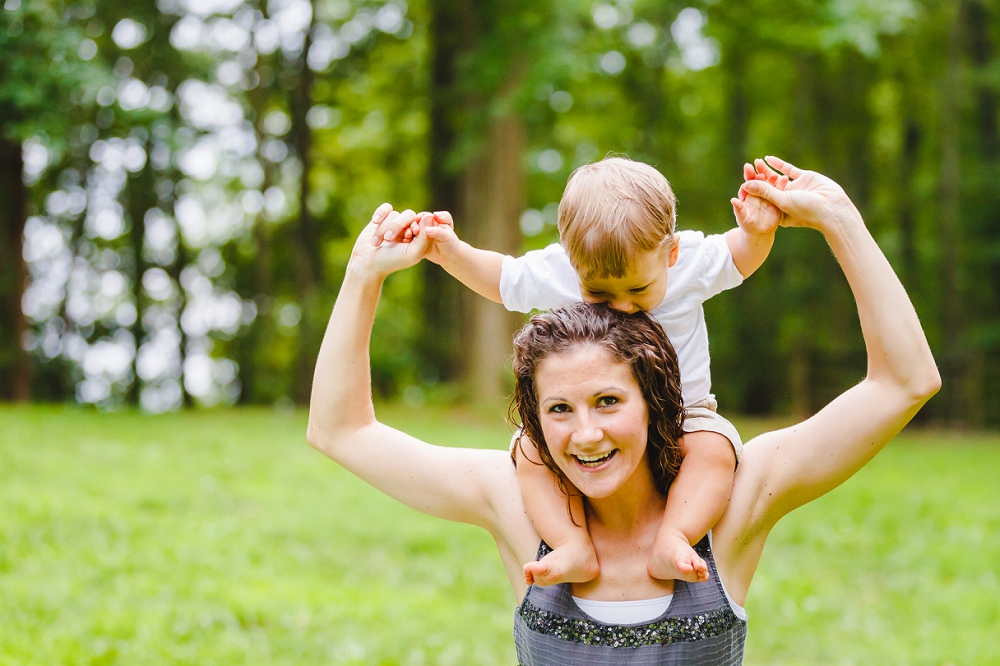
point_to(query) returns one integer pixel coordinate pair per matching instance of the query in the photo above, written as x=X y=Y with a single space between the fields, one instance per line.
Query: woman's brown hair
x=635 y=340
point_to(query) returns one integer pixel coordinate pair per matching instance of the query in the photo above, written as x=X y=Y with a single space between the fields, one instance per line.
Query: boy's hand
x=440 y=229
x=757 y=216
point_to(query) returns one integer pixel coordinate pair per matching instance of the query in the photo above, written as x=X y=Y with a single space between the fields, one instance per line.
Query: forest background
x=181 y=181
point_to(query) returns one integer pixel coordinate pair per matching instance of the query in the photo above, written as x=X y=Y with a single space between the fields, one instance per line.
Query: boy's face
x=641 y=288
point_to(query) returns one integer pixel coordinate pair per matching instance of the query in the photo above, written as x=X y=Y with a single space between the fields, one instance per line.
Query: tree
x=39 y=71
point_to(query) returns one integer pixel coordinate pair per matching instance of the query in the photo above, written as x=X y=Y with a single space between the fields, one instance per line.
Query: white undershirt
x=625 y=612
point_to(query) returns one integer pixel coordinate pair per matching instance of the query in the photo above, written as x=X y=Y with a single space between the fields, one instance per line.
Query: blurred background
x=182 y=181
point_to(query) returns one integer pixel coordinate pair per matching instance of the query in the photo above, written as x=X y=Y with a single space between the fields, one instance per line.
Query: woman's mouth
x=591 y=462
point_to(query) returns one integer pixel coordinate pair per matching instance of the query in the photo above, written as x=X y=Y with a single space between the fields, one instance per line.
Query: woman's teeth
x=594 y=461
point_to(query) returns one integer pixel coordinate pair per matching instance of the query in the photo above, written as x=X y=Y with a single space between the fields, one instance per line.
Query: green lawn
x=222 y=538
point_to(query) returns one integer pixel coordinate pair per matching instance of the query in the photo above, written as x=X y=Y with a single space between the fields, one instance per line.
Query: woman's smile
x=595 y=463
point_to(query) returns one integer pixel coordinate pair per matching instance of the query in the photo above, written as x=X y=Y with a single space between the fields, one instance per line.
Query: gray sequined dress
x=699 y=626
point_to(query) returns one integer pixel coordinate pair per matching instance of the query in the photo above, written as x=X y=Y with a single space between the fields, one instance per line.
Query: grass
x=222 y=538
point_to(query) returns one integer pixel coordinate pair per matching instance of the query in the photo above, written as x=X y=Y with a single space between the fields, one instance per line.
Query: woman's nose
x=587 y=431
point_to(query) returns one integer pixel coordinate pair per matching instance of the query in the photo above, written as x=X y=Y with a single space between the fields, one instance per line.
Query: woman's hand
x=389 y=256
x=805 y=198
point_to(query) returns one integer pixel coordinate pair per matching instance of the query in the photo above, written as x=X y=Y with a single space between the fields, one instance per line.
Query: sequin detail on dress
x=661 y=632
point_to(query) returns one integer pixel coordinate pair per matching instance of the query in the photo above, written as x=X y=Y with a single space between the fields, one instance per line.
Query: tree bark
x=981 y=49
x=452 y=32
x=906 y=206
x=500 y=185
x=802 y=369
x=308 y=266
x=15 y=366
x=141 y=198
x=953 y=367
x=983 y=368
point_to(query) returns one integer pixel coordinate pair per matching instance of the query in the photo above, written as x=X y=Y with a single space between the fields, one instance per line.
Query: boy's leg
x=697 y=499
x=573 y=558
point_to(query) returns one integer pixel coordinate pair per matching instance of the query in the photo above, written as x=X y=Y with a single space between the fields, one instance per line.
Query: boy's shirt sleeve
x=711 y=267
x=538 y=280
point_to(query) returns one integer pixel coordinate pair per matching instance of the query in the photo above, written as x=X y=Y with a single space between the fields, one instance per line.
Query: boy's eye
x=607 y=401
x=637 y=290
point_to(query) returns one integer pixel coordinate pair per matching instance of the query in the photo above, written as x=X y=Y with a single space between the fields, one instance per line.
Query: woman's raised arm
x=455 y=484
x=787 y=468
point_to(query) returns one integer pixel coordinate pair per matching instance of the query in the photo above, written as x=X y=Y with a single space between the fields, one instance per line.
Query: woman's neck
x=623 y=528
x=634 y=506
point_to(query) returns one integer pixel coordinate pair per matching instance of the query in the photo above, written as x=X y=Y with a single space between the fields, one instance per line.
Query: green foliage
x=222 y=537
x=40 y=69
x=854 y=89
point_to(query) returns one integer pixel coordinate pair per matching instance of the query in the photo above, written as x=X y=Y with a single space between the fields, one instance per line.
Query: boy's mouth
x=595 y=461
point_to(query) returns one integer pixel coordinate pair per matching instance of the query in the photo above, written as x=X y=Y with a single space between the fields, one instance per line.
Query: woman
x=592 y=405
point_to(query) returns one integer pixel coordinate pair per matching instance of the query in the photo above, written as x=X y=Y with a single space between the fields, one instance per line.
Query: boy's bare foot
x=673 y=558
x=568 y=563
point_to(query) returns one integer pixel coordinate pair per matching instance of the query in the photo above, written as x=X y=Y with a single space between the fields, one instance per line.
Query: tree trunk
x=253 y=371
x=462 y=331
x=981 y=49
x=440 y=339
x=953 y=368
x=308 y=264
x=495 y=187
x=802 y=361
x=984 y=366
x=15 y=366
x=141 y=197
x=906 y=205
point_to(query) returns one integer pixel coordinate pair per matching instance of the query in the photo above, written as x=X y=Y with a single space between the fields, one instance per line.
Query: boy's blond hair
x=611 y=211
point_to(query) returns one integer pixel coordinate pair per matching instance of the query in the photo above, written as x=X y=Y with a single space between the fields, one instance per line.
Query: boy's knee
x=709 y=448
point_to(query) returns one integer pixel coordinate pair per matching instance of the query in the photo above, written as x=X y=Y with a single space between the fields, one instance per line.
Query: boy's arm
x=479 y=270
x=749 y=250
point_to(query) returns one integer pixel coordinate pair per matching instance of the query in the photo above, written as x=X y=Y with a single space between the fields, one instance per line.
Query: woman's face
x=594 y=418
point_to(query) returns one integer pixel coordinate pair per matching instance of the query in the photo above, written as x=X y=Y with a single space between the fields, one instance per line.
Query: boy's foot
x=673 y=558
x=569 y=563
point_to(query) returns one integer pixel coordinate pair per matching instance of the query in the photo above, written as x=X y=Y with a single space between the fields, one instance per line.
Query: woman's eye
x=607 y=401
x=559 y=409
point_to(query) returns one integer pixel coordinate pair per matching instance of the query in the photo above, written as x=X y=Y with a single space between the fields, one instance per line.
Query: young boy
x=618 y=245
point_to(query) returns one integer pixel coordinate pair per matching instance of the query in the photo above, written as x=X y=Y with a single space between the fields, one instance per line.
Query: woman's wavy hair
x=634 y=339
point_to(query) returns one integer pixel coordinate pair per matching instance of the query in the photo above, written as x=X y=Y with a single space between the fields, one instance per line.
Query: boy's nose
x=627 y=307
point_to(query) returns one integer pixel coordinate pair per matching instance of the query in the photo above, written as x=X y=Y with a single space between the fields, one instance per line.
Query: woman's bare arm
x=783 y=470
x=455 y=484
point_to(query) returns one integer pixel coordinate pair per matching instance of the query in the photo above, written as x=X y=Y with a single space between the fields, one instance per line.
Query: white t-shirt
x=544 y=279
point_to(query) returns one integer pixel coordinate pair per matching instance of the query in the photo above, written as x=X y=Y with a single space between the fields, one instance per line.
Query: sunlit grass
x=221 y=537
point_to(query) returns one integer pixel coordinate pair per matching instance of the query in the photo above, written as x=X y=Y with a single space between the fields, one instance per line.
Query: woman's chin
x=598 y=491
x=598 y=487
